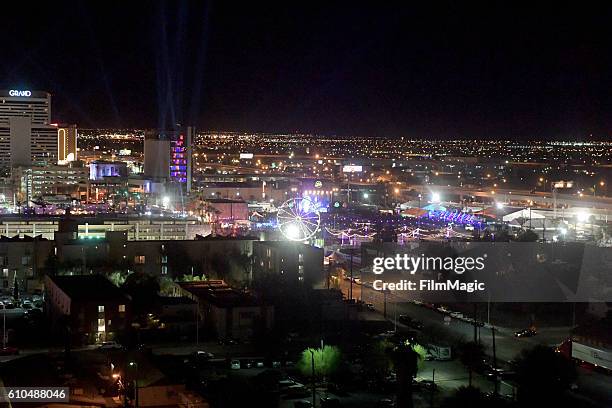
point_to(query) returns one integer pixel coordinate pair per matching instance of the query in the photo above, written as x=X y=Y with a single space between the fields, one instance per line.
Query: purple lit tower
x=180 y=157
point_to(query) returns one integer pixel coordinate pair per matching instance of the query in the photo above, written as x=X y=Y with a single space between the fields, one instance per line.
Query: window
x=164 y=259
x=164 y=269
x=139 y=259
x=100 y=309
x=3 y=260
x=101 y=326
x=5 y=272
x=300 y=257
x=25 y=260
x=121 y=308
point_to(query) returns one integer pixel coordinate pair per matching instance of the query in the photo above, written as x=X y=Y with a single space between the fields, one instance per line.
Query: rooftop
x=220 y=294
x=89 y=287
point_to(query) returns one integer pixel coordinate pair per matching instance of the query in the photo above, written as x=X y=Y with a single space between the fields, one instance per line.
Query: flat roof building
x=93 y=308
x=26 y=134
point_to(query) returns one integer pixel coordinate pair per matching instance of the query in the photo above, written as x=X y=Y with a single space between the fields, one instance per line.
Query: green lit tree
x=326 y=361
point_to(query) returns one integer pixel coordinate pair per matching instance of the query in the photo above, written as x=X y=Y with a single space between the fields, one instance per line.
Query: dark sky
x=349 y=68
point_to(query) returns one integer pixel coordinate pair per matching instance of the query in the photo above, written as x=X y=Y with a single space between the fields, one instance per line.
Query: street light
x=135 y=364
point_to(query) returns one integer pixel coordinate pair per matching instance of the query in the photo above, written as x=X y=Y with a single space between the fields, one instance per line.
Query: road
x=604 y=203
x=593 y=385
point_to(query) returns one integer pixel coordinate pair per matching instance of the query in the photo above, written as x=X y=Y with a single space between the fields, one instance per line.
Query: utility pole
x=475 y=324
x=351 y=283
x=313 y=378
x=385 y=304
x=495 y=361
x=433 y=381
x=197 y=313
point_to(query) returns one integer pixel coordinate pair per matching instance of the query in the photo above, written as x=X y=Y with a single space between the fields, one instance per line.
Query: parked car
x=9 y=351
x=525 y=333
x=386 y=403
x=203 y=355
x=410 y=322
x=235 y=364
x=110 y=345
x=330 y=402
x=426 y=385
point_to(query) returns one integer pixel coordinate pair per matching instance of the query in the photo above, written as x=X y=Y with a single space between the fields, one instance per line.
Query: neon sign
x=14 y=92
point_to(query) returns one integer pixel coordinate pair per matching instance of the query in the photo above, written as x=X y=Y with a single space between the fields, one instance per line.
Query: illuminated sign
x=125 y=152
x=318 y=184
x=14 y=92
x=246 y=155
x=563 y=184
x=352 y=169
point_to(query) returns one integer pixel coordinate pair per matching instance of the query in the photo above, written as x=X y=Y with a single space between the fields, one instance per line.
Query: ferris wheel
x=298 y=219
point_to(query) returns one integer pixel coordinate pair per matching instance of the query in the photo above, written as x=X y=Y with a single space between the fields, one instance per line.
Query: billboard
x=352 y=169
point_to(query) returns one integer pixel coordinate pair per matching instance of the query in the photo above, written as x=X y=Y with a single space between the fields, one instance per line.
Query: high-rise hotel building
x=26 y=135
x=66 y=143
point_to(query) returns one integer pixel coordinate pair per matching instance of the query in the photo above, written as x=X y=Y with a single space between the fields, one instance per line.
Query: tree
x=405 y=361
x=541 y=373
x=326 y=361
x=118 y=278
x=502 y=236
x=527 y=236
x=467 y=397
x=143 y=288
x=377 y=359
x=244 y=263
x=166 y=286
x=472 y=355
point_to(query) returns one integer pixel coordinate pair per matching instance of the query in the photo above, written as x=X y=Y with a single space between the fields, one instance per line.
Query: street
x=594 y=384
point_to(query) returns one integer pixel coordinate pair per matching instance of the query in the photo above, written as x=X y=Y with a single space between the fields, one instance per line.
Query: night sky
x=347 y=68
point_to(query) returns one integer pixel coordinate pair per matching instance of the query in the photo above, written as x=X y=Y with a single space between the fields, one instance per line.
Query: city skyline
x=402 y=205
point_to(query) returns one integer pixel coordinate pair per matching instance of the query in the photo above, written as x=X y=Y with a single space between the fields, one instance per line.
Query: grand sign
x=14 y=92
